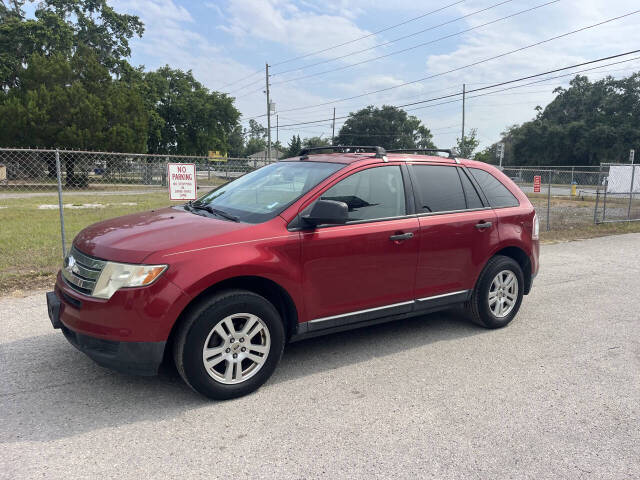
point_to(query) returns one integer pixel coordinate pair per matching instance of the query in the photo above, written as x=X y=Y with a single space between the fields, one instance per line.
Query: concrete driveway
x=554 y=395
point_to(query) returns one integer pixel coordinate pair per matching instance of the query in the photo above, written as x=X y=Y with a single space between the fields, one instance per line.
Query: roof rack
x=422 y=150
x=380 y=152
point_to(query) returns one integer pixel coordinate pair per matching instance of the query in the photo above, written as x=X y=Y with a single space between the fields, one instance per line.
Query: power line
x=282 y=62
x=537 y=82
x=507 y=82
x=245 y=86
x=465 y=66
x=537 y=75
x=344 y=67
x=368 y=35
x=396 y=39
x=240 y=79
x=528 y=84
x=509 y=88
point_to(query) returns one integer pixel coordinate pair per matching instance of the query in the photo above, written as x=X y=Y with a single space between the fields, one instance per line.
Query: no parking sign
x=537 y=181
x=182 y=181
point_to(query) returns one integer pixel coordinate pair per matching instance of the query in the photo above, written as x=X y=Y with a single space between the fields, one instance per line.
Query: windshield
x=264 y=193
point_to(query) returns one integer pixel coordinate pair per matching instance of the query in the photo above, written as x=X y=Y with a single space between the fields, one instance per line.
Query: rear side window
x=439 y=188
x=498 y=195
x=371 y=194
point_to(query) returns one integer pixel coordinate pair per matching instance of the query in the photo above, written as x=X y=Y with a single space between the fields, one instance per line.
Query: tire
x=242 y=331
x=494 y=313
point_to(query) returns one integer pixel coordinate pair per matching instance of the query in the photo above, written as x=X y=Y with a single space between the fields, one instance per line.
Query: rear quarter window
x=497 y=194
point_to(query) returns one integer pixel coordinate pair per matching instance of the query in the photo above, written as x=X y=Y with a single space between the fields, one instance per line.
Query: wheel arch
x=520 y=256
x=272 y=291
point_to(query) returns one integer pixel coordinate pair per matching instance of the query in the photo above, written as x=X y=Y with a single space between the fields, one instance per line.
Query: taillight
x=535 y=231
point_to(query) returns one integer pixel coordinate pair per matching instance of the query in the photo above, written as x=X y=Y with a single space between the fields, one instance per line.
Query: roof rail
x=422 y=150
x=380 y=152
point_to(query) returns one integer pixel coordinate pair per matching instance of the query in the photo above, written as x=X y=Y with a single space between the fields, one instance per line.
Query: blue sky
x=227 y=42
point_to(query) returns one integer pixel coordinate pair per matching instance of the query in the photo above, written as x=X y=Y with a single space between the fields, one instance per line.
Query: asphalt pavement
x=556 y=394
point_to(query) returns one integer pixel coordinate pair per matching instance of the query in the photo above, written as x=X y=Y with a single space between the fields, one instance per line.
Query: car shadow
x=49 y=390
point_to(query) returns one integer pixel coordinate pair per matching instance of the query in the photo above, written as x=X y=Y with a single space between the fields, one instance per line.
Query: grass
x=30 y=252
x=581 y=232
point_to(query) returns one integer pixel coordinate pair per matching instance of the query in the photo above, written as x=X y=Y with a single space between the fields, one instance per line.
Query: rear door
x=364 y=269
x=456 y=235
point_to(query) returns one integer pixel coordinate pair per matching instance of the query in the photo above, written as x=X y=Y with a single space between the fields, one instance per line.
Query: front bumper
x=138 y=358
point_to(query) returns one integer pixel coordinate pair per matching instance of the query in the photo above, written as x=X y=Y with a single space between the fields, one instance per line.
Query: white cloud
x=501 y=111
x=282 y=29
x=302 y=31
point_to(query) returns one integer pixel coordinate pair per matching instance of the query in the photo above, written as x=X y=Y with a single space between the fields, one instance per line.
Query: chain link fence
x=90 y=187
x=618 y=195
x=564 y=197
x=94 y=186
x=32 y=171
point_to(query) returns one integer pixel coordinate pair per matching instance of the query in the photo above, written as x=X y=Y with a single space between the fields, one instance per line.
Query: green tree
x=256 y=136
x=193 y=120
x=487 y=155
x=295 y=145
x=236 y=142
x=75 y=104
x=62 y=27
x=65 y=81
x=388 y=127
x=585 y=124
x=468 y=144
x=315 y=142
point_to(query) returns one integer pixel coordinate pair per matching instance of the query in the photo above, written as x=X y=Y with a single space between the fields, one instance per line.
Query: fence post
x=633 y=174
x=604 y=200
x=595 y=209
x=60 y=205
x=549 y=199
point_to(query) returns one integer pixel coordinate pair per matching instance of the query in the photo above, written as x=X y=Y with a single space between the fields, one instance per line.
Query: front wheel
x=230 y=345
x=496 y=299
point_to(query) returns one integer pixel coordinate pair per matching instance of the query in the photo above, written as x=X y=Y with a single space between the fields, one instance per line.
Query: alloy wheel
x=236 y=348
x=503 y=293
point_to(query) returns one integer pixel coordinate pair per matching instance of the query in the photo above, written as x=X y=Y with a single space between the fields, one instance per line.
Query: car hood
x=132 y=238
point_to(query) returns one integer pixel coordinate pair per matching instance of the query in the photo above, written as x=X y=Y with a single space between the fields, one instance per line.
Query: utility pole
x=268 y=115
x=277 y=128
x=333 y=128
x=464 y=95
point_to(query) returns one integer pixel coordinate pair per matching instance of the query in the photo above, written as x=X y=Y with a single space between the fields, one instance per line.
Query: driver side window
x=371 y=194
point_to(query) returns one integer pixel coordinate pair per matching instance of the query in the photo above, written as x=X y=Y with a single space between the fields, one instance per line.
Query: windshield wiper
x=213 y=211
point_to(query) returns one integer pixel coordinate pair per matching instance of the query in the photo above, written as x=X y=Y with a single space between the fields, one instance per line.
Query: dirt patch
x=25 y=284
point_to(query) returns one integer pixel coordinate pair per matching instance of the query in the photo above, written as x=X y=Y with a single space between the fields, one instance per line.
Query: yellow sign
x=216 y=156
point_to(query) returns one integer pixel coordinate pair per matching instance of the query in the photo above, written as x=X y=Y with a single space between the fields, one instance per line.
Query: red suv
x=336 y=238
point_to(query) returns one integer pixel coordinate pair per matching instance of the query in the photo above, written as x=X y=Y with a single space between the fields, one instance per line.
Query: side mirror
x=327 y=212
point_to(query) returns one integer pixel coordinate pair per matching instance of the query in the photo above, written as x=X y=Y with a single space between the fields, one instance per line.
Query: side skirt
x=374 y=316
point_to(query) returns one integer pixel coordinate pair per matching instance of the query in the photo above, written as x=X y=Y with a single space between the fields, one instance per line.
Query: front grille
x=82 y=271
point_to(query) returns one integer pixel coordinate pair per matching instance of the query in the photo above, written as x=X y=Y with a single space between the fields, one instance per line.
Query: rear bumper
x=137 y=358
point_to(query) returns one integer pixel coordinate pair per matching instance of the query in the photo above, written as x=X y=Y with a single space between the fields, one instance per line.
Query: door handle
x=401 y=236
x=483 y=225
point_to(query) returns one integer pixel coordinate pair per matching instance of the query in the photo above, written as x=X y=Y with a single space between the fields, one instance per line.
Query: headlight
x=115 y=276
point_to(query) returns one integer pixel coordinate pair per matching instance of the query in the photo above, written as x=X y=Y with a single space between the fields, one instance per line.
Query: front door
x=366 y=268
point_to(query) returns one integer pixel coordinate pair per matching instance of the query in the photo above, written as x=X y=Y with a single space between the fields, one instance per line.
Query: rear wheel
x=498 y=293
x=230 y=345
